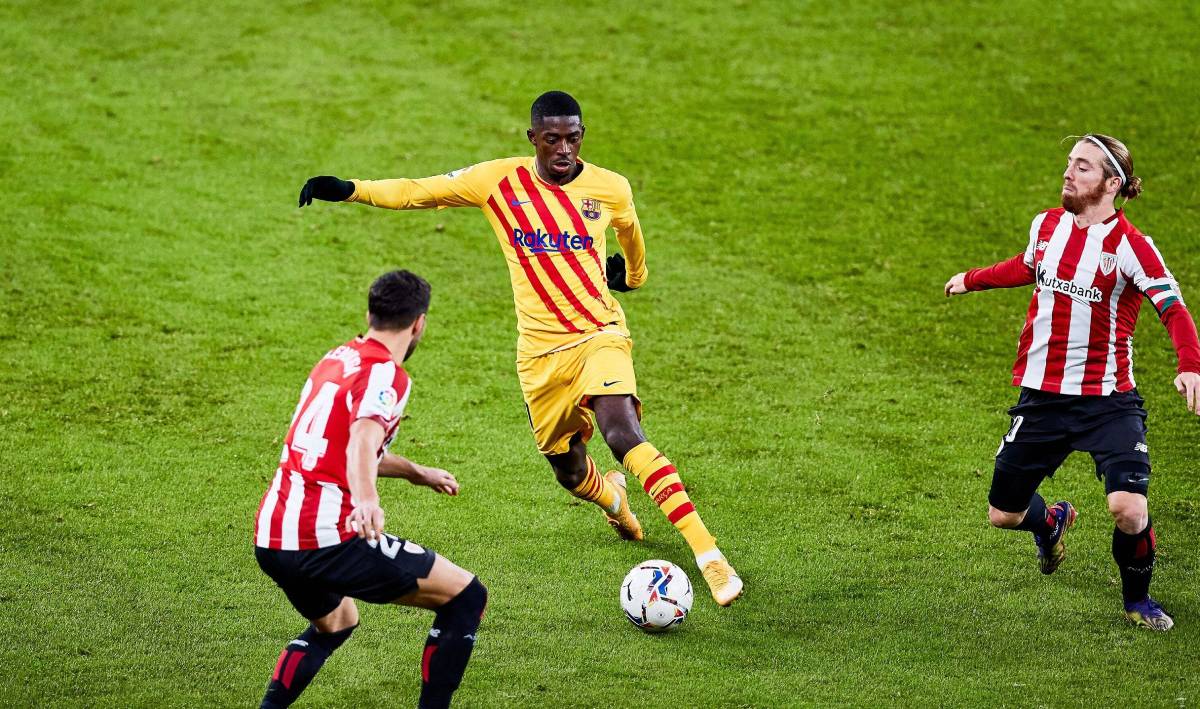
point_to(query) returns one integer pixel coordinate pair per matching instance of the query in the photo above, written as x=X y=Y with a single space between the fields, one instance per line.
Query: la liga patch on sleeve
x=388 y=399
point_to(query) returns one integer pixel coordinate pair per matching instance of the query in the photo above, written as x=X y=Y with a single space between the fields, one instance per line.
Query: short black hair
x=396 y=300
x=554 y=103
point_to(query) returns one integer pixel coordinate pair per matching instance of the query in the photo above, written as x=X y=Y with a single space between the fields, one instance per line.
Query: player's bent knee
x=1004 y=520
x=468 y=606
x=617 y=418
x=326 y=641
x=457 y=578
x=570 y=479
x=343 y=617
x=1131 y=522
x=570 y=467
x=621 y=441
x=1129 y=510
x=622 y=436
x=444 y=581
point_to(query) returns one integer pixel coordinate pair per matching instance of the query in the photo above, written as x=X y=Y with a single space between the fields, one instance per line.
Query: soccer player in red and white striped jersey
x=1091 y=269
x=319 y=529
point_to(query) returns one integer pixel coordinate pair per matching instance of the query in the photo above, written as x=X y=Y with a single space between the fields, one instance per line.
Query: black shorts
x=316 y=580
x=1046 y=427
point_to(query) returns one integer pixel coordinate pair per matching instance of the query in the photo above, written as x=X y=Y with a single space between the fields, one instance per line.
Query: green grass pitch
x=807 y=174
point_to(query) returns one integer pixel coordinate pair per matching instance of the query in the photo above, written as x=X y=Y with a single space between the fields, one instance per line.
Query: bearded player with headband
x=1090 y=268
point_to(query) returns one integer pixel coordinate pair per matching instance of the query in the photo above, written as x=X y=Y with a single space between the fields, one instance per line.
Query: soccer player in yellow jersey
x=550 y=213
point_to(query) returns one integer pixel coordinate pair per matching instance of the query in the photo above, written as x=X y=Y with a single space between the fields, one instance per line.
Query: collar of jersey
x=372 y=341
x=1105 y=226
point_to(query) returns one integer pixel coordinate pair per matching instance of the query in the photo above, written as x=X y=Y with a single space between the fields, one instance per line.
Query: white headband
x=1111 y=159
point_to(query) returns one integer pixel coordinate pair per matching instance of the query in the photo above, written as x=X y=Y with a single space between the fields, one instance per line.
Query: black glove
x=615 y=273
x=326 y=187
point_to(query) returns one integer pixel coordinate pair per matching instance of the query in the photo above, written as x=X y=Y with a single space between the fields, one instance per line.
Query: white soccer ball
x=656 y=596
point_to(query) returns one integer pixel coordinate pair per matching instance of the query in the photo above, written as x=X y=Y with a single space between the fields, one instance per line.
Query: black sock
x=1134 y=554
x=449 y=645
x=299 y=663
x=1037 y=518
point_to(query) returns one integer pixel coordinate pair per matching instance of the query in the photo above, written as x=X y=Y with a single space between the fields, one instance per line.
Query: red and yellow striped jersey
x=553 y=238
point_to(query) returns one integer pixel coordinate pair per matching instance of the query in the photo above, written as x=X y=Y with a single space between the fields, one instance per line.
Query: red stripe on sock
x=279 y=664
x=657 y=475
x=681 y=512
x=666 y=493
x=425 y=662
x=290 y=671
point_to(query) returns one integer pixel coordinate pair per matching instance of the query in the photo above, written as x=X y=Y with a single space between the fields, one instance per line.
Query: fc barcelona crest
x=1107 y=263
x=591 y=209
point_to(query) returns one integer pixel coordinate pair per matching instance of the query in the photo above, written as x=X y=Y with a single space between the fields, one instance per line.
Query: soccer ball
x=656 y=595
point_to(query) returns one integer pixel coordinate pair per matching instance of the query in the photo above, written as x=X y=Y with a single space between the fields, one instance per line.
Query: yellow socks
x=595 y=488
x=662 y=483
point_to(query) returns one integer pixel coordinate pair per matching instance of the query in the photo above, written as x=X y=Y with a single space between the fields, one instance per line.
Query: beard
x=412 y=347
x=1078 y=203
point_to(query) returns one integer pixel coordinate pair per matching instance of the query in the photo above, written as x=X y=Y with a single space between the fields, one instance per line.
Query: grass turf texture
x=807 y=179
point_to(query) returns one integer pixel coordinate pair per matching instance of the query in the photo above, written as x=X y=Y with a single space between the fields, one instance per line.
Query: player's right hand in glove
x=325 y=187
x=615 y=273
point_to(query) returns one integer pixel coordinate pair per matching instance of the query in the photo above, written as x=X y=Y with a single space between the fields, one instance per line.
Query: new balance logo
x=1141 y=447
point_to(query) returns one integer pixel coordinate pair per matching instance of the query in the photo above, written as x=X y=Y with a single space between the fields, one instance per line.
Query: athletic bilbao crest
x=1107 y=263
x=591 y=209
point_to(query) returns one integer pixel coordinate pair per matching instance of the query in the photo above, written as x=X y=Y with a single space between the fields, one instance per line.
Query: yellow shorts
x=558 y=387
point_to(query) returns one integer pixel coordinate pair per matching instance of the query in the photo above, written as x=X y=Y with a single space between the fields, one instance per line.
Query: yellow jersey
x=552 y=236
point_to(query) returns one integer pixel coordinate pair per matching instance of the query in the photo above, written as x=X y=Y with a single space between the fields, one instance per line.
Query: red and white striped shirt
x=1078 y=334
x=309 y=499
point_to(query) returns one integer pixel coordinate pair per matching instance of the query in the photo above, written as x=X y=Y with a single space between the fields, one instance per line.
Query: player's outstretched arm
x=467 y=187
x=327 y=188
x=1012 y=273
x=362 y=466
x=395 y=466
